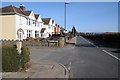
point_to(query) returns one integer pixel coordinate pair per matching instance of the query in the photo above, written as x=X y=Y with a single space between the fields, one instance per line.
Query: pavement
x=40 y=69
x=72 y=40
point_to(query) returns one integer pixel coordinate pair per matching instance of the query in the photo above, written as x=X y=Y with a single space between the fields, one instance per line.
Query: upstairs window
x=35 y=23
x=41 y=24
x=28 y=21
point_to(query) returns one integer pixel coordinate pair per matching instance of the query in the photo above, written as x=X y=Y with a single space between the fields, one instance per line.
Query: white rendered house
x=18 y=23
x=49 y=25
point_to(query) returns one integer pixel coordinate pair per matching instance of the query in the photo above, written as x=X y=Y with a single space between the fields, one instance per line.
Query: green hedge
x=11 y=60
x=107 y=38
x=24 y=56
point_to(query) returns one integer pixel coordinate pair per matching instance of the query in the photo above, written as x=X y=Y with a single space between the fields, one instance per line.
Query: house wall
x=21 y=22
x=52 y=25
x=49 y=28
x=23 y=25
x=8 y=27
x=12 y=23
x=46 y=32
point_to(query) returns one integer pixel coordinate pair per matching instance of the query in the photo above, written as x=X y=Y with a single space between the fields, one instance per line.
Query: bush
x=10 y=61
x=24 y=56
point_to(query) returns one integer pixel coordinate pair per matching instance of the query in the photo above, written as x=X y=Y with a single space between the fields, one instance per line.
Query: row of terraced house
x=19 y=23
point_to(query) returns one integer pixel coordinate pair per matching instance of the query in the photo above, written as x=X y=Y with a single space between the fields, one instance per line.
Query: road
x=85 y=60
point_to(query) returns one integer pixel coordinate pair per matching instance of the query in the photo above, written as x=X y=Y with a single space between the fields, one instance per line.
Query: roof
x=42 y=30
x=46 y=20
x=27 y=13
x=36 y=16
x=13 y=9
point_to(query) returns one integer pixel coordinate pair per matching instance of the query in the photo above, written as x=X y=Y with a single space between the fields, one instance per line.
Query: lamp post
x=65 y=12
x=62 y=40
x=65 y=19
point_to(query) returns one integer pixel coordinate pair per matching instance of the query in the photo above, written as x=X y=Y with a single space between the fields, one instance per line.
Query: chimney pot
x=22 y=7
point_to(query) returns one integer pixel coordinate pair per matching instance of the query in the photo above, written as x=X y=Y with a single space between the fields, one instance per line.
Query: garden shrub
x=10 y=61
x=24 y=56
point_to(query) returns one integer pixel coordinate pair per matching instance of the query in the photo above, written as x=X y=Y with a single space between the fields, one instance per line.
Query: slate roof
x=13 y=10
x=36 y=16
x=46 y=20
x=27 y=13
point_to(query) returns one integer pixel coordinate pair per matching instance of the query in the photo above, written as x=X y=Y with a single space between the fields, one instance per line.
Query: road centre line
x=111 y=54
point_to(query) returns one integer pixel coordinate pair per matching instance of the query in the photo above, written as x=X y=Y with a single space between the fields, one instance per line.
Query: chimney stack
x=22 y=7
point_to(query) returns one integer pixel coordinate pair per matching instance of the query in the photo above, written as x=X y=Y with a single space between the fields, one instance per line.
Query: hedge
x=111 y=39
x=24 y=56
x=12 y=61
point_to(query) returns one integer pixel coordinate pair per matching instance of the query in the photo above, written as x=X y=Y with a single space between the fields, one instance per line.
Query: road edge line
x=89 y=42
x=111 y=54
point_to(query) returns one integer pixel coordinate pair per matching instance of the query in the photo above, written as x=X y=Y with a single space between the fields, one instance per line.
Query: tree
x=74 y=32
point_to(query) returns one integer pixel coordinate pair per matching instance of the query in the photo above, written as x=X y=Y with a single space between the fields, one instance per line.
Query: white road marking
x=88 y=41
x=69 y=67
x=111 y=55
x=69 y=63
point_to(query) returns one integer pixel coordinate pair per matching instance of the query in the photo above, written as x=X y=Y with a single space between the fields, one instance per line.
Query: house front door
x=20 y=34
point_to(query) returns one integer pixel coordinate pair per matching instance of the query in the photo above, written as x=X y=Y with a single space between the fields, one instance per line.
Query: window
x=29 y=21
x=33 y=22
x=41 y=24
x=49 y=26
x=36 y=33
x=41 y=34
x=29 y=33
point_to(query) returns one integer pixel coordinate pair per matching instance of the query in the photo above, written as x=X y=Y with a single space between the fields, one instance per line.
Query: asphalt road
x=84 y=60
